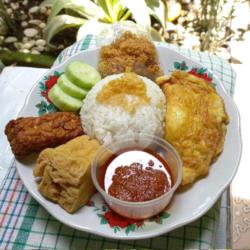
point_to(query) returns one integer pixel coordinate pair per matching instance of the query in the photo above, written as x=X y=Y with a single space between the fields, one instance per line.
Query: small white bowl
x=145 y=209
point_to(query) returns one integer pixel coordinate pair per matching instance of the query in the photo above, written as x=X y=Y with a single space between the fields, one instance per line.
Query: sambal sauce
x=136 y=175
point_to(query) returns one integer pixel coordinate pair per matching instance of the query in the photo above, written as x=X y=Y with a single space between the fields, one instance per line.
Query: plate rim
x=161 y=230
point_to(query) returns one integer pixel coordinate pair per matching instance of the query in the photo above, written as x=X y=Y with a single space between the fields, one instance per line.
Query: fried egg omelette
x=196 y=122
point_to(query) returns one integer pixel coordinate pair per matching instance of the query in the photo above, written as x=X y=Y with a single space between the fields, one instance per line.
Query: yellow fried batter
x=195 y=122
x=65 y=172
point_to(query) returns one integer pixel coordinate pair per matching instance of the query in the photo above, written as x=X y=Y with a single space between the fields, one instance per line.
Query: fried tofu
x=65 y=172
x=196 y=122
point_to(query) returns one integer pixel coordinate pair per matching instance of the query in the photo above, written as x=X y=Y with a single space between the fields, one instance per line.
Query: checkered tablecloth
x=24 y=224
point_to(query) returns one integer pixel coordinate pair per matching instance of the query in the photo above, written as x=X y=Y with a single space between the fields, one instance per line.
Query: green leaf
x=158 y=9
x=127 y=230
x=177 y=65
x=60 y=23
x=1 y=66
x=183 y=66
x=139 y=10
x=104 y=208
x=200 y=71
x=85 y=8
x=116 y=229
x=104 y=221
x=57 y=73
x=118 y=11
x=109 y=4
x=7 y=18
x=114 y=10
x=42 y=108
x=142 y=225
x=123 y=14
x=130 y=228
x=126 y=16
x=51 y=108
x=43 y=104
x=156 y=36
x=42 y=86
x=27 y=59
x=103 y=5
x=164 y=215
x=47 y=3
x=41 y=112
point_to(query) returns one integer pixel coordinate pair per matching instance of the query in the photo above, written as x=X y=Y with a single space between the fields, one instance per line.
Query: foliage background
x=197 y=24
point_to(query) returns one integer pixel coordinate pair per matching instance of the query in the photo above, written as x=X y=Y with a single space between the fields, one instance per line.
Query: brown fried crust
x=130 y=53
x=32 y=134
x=196 y=122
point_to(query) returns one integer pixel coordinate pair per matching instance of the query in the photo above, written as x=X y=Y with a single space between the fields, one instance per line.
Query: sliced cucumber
x=63 y=101
x=82 y=74
x=71 y=89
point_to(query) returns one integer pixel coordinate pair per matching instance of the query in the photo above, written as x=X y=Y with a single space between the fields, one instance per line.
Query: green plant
x=1 y=66
x=24 y=59
x=214 y=23
x=6 y=20
x=74 y=13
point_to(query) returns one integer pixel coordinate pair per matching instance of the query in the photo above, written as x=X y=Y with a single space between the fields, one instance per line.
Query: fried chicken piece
x=65 y=172
x=32 y=134
x=196 y=122
x=130 y=53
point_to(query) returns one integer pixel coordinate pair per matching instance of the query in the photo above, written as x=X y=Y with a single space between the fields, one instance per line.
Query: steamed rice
x=107 y=122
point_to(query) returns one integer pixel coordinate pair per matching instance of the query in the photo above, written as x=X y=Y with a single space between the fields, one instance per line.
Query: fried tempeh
x=32 y=134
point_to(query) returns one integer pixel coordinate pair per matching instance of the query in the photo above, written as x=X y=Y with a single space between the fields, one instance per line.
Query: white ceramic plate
x=185 y=207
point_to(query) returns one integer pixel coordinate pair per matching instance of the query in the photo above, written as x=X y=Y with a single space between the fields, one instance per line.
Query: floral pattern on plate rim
x=119 y=223
x=46 y=106
x=198 y=72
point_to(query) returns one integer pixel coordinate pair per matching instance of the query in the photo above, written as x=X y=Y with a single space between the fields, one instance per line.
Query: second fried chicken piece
x=33 y=134
x=130 y=53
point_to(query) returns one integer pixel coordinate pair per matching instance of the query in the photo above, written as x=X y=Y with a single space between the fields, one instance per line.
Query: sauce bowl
x=142 y=209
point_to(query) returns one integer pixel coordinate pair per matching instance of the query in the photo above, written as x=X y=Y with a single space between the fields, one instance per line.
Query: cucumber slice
x=82 y=74
x=71 y=89
x=63 y=101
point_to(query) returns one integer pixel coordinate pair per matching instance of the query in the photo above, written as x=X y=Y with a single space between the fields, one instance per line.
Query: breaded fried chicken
x=130 y=53
x=33 y=134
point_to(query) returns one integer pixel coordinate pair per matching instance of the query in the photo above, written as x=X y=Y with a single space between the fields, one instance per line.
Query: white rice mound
x=106 y=123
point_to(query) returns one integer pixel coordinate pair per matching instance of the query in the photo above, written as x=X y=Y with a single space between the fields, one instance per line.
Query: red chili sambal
x=136 y=175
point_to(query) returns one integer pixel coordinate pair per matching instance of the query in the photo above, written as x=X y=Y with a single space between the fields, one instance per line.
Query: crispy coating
x=130 y=53
x=32 y=134
x=65 y=172
x=196 y=122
